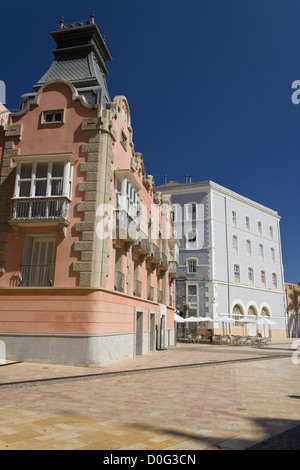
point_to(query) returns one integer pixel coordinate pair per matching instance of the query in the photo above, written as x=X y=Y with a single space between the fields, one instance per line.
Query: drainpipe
x=227 y=256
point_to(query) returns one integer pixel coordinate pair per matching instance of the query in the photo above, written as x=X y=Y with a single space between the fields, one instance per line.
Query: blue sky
x=208 y=84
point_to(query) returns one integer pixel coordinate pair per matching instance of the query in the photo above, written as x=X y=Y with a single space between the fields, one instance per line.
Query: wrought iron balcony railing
x=119 y=281
x=125 y=227
x=36 y=275
x=137 y=288
x=30 y=209
x=160 y=298
x=150 y=295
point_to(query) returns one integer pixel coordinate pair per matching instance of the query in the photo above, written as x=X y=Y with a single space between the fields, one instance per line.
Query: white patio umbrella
x=192 y=319
x=178 y=318
x=264 y=322
x=206 y=319
x=224 y=318
x=246 y=321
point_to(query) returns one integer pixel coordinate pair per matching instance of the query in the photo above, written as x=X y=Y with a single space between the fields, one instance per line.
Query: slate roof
x=80 y=58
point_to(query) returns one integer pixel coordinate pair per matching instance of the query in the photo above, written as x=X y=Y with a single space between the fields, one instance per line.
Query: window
x=192 y=266
x=247 y=223
x=235 y=243
x=191 y=239
x=236 y=273
x=263 y=278
x=248 y=247
x=250 y=277
x=259 y=227
x=38 y=264
x=25 y=180
x=192 y=296
x=191 y=211
x=271 y=232
x=233 y=218
x=274 y=280
x=53 y=117
x=261 y=251
x=192 y=290
x=43 y=179
x=272 y=255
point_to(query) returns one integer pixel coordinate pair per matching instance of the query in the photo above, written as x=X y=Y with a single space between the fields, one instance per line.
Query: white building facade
x=230 y=259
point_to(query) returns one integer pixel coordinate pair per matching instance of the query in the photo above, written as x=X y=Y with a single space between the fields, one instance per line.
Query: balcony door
x=40 y=266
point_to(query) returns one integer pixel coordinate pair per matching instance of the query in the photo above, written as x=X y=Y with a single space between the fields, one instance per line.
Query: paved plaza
x=189 y=397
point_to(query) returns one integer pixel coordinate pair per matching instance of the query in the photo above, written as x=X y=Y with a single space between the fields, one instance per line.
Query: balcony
x=119 y=281
x=164 y=262
x=37 y=275
x=137 y=288
x=150 y=295
x=154 y=256
x=173 y=266
x=125 y=227
x=160 y=297
x=34 y=211
x=142 y=246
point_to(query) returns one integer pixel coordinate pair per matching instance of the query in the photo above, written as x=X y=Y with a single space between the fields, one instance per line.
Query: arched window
x=248 y=247
x=233 y=218
x=237 y=312
x=236 y=273
x=271 y=231
x=259 y=227
x=261 y=251
x=272 y=255
x=250 y=277
x=235 y=243
x=247 y=223
x=265 y=312
x=263 y=278
x=274 y=280
x=252 y=310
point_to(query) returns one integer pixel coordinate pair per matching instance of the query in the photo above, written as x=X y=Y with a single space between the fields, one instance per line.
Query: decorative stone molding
x=92 y=266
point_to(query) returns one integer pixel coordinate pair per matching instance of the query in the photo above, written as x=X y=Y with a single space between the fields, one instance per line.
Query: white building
x=230 y=257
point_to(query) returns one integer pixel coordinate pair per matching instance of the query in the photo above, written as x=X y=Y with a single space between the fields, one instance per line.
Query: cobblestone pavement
x=191 y=397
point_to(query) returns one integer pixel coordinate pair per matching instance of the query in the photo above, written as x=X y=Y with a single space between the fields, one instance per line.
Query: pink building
x=86 y=241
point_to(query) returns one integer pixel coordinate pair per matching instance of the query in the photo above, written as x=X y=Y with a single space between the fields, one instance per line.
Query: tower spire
x=80 y=58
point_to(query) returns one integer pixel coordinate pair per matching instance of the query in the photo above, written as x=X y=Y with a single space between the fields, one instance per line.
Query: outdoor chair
x=224 y=339
x=243 y=341
x=265 y=341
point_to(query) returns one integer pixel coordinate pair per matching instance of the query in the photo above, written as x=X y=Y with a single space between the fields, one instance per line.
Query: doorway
x=139 y=327
x=152 y=331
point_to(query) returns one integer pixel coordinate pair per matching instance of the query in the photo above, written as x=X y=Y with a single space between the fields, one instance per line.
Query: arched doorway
x=252 y=314
x=264 y=327
x=238 y=315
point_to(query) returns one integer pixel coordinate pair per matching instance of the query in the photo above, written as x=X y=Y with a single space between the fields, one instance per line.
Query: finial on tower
x=92 y=17
x=61 y=23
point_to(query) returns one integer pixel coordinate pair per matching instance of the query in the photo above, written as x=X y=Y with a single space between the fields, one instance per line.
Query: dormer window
x=53 y=117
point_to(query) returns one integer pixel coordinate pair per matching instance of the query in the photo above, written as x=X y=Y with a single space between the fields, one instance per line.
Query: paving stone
x=192 y=397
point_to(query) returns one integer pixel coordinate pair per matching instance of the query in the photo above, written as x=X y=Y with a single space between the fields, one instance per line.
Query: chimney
x=190 y=179
x=165 y=179
x=186 y=178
